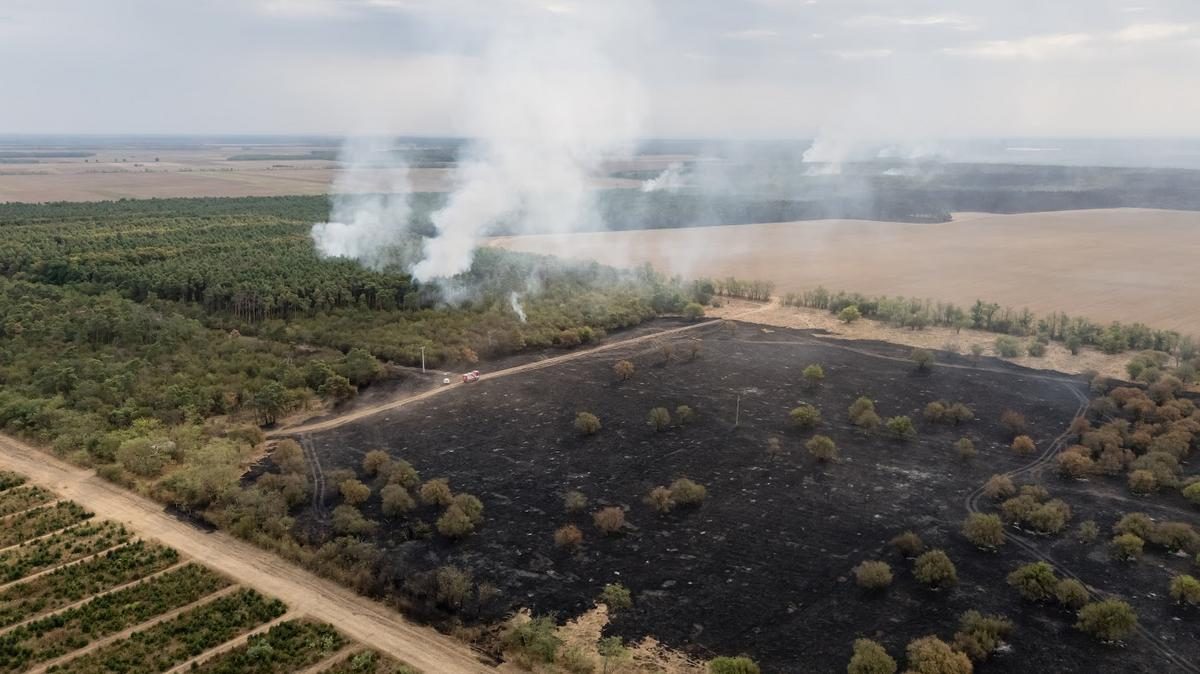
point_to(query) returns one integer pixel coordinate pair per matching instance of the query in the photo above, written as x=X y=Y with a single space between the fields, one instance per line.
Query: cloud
x=751 y=34
x=1032 y=48
x=933 y=20
x=861 y=54
x=1152 y=32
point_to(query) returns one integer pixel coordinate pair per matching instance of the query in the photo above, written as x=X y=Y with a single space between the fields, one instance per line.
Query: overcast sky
x=754 y=68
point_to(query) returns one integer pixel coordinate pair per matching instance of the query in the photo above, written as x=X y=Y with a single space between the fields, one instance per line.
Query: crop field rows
x=82 y=596
x=765 y=563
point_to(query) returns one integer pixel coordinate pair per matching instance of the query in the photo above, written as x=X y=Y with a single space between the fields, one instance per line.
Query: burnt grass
x=763 y=567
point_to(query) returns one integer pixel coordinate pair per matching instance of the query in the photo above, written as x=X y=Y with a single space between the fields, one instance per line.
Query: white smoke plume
x=514 y=301
x=549 y=106
x=671 y=179
x=370 y=210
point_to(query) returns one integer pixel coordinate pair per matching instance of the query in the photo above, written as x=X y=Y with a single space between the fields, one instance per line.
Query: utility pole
x=422 y=360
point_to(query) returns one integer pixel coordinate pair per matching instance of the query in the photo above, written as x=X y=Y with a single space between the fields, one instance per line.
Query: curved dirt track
x=359 y=618
x=365 y=412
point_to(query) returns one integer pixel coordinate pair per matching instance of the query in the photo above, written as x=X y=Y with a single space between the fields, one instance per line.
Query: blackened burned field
x=763 y=567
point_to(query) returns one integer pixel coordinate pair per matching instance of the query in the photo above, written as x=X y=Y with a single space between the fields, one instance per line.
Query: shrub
x=1071 y=593
x=931 y=655
x=1013 y=421
x=1185 y=589
x=1035 y=582
x=376 y=462
x=574 y=501
x=402 y=473
x=1138 y=524
x=659 y=419
x=977 y=349
x=396 y=500
x=455 y=523
x=774 y=448
x=354 y=492
x=909 y=544
x=965 y=448
x=623 y=369
x=922 y=358
x=901 y=428
x=453 y=586
x=998 y=487
x=533 y=640
x=685 y=415
x=1036 y=349
x=849 y=314
x=1175 y=536
x=738 y=665
x=1007 y=347
x=805 y=417
x=935 y=569
x=1142 y=482
x=471 y=507
x=568 y=536
x=587 y=423
x=609 y=520
x=873 y=575
x=436 y=492
x=1075 y=465
x=346 y=519
x=660 y=499
x=1127 y=547
x=1050 y=517
x=870 y=658
x=616 y=597
x=289 y=456
x=1023 y=445
x=1108 y=620
x=979 y=635
x=687 y=493
x=814 y=374
x=1088 y=532
x=1192 y=493
x=822 y=448
x=693 y=311
x=860 y=407
x=984 y=531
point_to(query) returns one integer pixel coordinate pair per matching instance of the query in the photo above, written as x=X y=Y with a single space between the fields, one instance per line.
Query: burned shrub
x=623 y=369
x=574 y=501
x=931 y=655
x=354 y=492
x=568 y=537
x=1014 y=422
x=396 y=500
x=979 y=635
x=909 y=544
x=965 y=448
x=660 y=499
x=609 y=520
x=685 y=492
x=998 y=487
x=1023 y=445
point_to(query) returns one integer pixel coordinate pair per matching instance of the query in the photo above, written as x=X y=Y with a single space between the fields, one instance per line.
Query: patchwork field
x=765 y=564
x=1108 y=264
x=85 y=597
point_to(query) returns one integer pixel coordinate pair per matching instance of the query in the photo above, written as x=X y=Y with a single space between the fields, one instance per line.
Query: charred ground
x=764 y=565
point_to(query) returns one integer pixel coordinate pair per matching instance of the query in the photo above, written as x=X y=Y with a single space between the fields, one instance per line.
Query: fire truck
x=471 y=376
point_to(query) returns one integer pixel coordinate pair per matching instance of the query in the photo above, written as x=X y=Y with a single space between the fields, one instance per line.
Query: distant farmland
x=1112 y=264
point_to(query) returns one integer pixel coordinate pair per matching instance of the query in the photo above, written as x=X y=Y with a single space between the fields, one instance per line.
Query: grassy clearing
x=41 y=521
x=73 y=583
x=75 y=628
x=61 y=548
x=286 y=647
x=177 y=640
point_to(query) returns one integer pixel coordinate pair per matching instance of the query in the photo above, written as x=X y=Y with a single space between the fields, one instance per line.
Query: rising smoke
x=547 y=107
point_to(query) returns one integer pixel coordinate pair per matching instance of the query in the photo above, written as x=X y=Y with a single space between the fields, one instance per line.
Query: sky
x=687 y=68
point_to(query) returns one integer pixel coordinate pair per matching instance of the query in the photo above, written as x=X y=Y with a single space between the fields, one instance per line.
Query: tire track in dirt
x=316 y=472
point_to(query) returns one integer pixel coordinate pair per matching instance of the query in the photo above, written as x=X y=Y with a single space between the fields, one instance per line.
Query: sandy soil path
x=359 y=618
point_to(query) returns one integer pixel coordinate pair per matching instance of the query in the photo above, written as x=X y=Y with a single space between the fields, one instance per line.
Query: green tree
x=396 y=500
x=693 y=311
x=870 y=658
x=1185 y=589
x=984 y=531
x=338 y=388
x=813 y=375
x=822 y=448
x=360 y=367
x=659 y=419
x=935 y=569
x=901 y=428
x=354 y=492
x=873 y=575
x=849 y=314
x=587 y=423
x=930 y=655
x=728 y=665
x=1107 y=620
x=1035 y=581
x=923 y=359
x=616 y=597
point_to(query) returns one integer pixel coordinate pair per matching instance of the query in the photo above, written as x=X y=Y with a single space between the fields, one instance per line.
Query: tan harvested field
x=1116 y=264
x=207 y=171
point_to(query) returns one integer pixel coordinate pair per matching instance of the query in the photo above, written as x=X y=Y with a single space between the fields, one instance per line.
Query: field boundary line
x=123 y=634
x=97 y=595
x=229 y=645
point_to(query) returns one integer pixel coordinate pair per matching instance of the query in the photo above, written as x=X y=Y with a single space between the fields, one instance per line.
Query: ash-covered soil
x=763 y=567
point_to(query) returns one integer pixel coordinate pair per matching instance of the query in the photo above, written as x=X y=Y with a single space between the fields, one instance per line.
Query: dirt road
x=359 y=618
x=364 y=412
